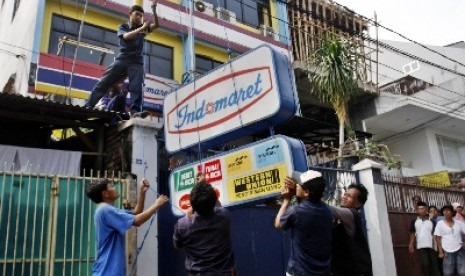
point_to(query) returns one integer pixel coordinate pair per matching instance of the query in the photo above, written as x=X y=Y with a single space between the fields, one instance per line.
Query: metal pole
x=377 y=54
x=190 y=36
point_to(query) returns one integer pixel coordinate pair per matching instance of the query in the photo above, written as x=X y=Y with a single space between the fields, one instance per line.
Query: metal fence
x=401 y=190
x=46 y=224
x=337 y=182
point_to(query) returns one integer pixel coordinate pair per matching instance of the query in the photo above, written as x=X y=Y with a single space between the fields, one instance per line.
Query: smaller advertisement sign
x=245 y=175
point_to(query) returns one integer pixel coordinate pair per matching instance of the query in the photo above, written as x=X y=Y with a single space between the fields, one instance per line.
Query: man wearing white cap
x=310 y=223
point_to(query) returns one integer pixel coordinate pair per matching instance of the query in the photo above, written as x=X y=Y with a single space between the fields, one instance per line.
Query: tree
x=336 y=77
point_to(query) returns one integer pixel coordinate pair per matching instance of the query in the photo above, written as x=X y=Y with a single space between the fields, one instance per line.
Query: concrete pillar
x=144 y=164
x=376 y=215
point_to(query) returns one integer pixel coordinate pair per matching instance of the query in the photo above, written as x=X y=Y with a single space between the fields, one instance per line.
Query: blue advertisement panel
x=241 y=176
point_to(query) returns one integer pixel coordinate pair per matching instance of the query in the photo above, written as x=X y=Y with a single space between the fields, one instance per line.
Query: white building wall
x=426 y=72
x=415 y=153
x=420 y=152
x=16 y=42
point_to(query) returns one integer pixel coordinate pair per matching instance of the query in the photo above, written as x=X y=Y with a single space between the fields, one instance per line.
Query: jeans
x=454 y=262
x=120 y=68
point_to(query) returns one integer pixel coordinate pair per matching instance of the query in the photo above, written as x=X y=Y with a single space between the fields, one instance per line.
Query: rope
x=229 y=51
x=81 y=24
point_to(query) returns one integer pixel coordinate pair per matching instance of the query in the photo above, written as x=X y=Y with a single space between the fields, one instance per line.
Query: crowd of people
x=438 y=236
x=325 y=240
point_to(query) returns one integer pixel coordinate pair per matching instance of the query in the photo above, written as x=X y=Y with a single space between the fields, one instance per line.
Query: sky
x=430 y=22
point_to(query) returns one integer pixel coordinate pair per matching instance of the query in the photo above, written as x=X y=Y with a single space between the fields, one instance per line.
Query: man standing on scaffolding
x=130 y=61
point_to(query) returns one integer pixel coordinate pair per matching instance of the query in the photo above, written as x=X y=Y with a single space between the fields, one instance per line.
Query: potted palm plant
x=335 y=79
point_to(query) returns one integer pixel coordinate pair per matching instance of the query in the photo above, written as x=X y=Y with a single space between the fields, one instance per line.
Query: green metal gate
x=46 y=225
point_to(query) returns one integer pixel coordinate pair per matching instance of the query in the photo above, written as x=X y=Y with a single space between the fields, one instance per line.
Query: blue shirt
x=131 y=48
x=311 y=233
x=110 y=226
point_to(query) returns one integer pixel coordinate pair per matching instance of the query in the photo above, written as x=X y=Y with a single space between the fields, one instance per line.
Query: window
x=93 y=35
x=250 y=12
x=205 y=64
x=158 y=60
x=452 y=152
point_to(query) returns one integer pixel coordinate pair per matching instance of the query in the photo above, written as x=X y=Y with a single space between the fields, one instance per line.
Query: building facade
x=44 y=62
x=420 y=112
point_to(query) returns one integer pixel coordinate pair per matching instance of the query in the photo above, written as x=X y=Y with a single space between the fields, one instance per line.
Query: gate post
x=144 y=164
x=377 y=220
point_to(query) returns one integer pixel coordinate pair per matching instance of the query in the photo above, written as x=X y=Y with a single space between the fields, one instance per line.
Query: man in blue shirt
x=112 y=223
x=129 y=62
x=310 y=223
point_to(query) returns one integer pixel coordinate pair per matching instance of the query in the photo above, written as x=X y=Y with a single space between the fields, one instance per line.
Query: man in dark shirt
x=351 y=254
x=205 y=235
x=309 y=222
x=129 y=62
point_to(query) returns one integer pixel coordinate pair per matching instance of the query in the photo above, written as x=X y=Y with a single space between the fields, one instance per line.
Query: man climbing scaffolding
x=129 y=63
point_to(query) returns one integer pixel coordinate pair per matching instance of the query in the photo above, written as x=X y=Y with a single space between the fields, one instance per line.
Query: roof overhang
x=410 y=118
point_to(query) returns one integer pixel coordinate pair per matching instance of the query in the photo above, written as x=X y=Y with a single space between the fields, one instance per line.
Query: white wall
x=419 y=152
x=16 y=39
x=415 y=153
x=426 y=72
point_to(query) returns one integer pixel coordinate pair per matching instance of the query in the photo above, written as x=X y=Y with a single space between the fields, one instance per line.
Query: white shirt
x=451 y=237
x=424 y=233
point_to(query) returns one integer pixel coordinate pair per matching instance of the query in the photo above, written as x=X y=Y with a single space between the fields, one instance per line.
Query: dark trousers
x=119 y=69
x=229 y=273
x=429 y=262
x=118 y=104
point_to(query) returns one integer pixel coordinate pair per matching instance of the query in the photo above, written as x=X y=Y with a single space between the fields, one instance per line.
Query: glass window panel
x=216 y=3
x=236 y=7
x=264 y=14
x=441 y=151
x=161 y=67
x=111 y=38
x=204 y=64
x=161 y=51
x=461 y=152
x=451 y=153
x=250 y=15
x=158 y=60
x=92 y=33
x=65 y=25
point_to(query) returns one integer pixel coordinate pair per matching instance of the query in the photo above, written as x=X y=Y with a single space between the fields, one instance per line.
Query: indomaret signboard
x=242 y=97
x=247 y=174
